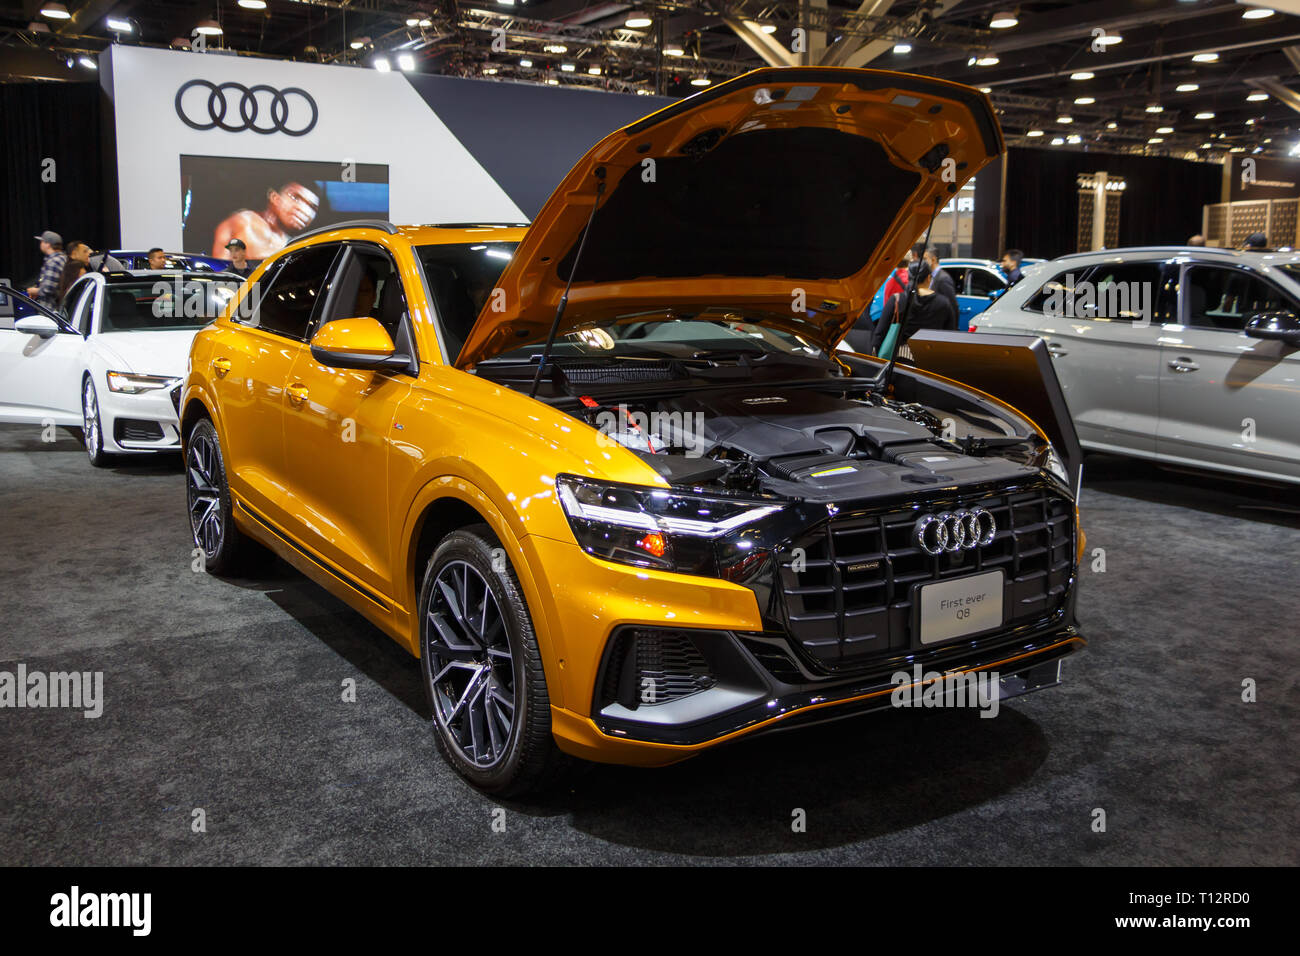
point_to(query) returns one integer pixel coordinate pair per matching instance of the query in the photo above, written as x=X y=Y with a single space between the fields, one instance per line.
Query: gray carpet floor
x=226 y=696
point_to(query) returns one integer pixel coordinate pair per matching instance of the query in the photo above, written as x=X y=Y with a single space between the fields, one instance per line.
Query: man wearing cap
x=46 y=290
x=239 y=263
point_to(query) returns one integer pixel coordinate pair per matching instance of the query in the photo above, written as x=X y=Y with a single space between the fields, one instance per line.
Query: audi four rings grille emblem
x=247 y=97
x=954 y=531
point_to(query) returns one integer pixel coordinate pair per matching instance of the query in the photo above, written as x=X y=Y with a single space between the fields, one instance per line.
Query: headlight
x=658 y=528
x=1050 y=461
x=134 y=384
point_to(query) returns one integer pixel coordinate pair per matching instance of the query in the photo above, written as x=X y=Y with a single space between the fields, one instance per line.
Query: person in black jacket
x=926 y=310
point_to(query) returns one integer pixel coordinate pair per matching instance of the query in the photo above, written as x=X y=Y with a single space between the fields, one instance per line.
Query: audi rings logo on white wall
x=235 y=108
x=954 y=531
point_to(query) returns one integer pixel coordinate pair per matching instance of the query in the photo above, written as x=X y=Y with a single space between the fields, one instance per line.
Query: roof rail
x=471 y=225
x=381 y=224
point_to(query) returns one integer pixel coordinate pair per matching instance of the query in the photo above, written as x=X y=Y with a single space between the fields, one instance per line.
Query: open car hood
x=792 y=192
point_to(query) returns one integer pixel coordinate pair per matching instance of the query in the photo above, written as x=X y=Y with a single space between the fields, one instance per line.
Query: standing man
x=1011 y=265
x=940 y=281
x=157 y=258
x=239 y=263
x=46 y=290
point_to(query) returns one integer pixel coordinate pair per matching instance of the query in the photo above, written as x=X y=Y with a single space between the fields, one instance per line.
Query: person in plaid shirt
x=46 y=290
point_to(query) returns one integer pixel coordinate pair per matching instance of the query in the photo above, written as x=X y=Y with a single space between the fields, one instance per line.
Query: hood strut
x=564 y=299
x=887 y=377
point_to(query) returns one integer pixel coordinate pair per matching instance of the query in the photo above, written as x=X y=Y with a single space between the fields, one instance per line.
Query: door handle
x=221 y=366
x=1183 y=364
x=297 y=393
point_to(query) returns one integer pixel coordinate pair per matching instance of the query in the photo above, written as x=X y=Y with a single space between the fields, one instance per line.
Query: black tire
x=92 y=429
x=226 y=550
x=458 y=654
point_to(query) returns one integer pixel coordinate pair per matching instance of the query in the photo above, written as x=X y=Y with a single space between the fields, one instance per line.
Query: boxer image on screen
x=289 y=210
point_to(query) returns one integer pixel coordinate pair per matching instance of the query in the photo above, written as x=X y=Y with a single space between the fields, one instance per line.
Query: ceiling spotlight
x=1074 y=139
x=1082 y=75
x=1112 y=125
x=1004 y=20
x=701 y=80
x=637 y=20
x=1256 y=97
x=526 y=63
x=118 y=25
x=1109 y=39
x=556 y=48
x=412 y=21
x=986 y=89
x=1165 y=129
x=552 y=82
x=405 y=62
x=1058 y=141
x=425 y=22
x=490 y=71
x=768 y=28
x=253 y=4
x=593 y=71
x=1156 y=139
x=360 y=43
x=1251 y=121
x=1257 y=13
x=1204 y=116
x=901 y=48
x=382 y=65
x=567 y=67
x=988 y=60
x=88 y=63
x=1237 y=149
x=208 y=28
x=1187 y=87
x=55 y=11
x=1084 y=100
x=1155 y=108
x=1065 y=118
x=674 y=49
x=1035 y=132
x=1205 y=58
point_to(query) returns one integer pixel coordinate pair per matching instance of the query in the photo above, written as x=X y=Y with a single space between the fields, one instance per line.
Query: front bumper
x=758 y=681
x=144 y=422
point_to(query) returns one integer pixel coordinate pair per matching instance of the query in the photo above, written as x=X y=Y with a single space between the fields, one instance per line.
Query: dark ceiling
x=1026 y=67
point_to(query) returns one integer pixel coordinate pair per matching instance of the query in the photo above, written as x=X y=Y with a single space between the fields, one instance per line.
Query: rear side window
x=1058 y=294
x=1217 y=298
x=1111 y=292
x=985 y=283
x=286 y=304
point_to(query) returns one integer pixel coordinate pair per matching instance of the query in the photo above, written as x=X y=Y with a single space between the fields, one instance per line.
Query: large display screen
x=267 y=202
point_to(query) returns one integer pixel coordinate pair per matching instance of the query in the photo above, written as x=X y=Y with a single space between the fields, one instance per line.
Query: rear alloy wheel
x=91 y=428
x=225 y=549
x=482 y=668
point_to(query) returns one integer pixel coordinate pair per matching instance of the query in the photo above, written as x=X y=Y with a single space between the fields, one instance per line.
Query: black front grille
x=853 y=599
x=647 y=667
x=136 y=429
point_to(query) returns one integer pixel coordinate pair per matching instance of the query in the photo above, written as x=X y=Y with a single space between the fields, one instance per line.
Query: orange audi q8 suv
x=607 y=476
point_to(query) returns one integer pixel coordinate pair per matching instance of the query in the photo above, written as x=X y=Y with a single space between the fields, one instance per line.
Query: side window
x=286 y=304
x=84 y=295
x=985 y=283
x=1223 y=299
x=1057 y=296
x=1122 y=293
x=958 y=276
x=370 y=285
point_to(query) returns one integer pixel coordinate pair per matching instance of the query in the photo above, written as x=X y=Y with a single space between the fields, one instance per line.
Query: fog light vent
x=648 y=667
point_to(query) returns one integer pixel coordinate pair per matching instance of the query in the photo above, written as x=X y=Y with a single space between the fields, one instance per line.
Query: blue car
x=977 y=281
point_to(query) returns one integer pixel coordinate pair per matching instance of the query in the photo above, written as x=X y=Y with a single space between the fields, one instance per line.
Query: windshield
x=667 y=334
x=164 y=304
x=461 y=277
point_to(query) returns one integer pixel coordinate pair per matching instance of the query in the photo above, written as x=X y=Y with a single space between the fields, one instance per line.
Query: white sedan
x=1186 y=356
x=107 y=361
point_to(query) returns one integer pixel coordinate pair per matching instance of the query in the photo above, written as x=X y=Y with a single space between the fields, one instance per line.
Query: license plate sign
x=960 y=607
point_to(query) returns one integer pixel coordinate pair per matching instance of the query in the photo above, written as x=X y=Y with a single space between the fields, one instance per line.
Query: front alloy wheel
x=482 y=668
x=90 y=427
x=225 y=549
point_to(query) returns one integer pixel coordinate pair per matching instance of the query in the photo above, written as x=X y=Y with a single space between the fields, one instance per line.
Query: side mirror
x=360 y=343
x=1277 y=326
x=37 y=325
